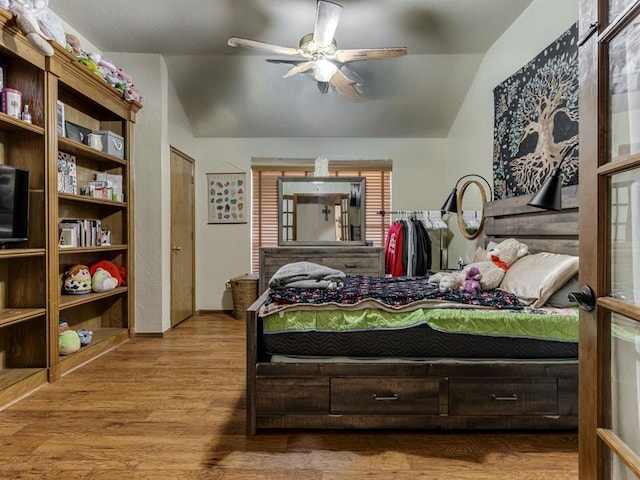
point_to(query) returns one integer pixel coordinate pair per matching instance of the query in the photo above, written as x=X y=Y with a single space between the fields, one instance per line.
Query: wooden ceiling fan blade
x=353 y=55
x=327 y=17
x=265 y=47
x=345 y=87
x=351 y=75
x=301 y=67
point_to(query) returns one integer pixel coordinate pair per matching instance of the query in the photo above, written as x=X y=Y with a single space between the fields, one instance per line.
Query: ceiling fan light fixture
x=324 y=69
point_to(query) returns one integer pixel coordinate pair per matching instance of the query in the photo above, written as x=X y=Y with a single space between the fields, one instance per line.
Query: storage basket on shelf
x=244 y=291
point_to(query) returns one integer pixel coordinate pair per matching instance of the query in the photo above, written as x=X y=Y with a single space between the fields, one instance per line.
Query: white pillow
x=534 y=278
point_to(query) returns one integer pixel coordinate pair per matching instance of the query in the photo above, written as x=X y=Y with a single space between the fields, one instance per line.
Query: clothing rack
x=439 y=226
x=422 y=214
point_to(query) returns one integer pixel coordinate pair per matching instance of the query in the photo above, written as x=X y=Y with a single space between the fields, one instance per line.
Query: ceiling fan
x=319 y=56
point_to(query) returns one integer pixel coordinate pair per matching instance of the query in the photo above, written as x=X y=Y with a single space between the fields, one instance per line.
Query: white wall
x=223 y=251
x=152 y=189
x=471 y=136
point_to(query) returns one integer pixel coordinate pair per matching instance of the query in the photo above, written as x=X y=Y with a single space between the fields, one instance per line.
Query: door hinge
x=593 y=28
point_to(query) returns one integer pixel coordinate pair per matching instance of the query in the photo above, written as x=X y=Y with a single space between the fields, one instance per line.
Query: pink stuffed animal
x=472 y=280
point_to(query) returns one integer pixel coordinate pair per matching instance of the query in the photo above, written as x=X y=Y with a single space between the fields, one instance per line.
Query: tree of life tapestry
x=536 y=120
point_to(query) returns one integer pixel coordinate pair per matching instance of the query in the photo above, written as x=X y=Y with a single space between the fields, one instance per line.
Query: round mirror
x=471 y=201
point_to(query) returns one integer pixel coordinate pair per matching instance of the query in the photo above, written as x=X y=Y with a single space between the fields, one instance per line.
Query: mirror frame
x=483 y=196
x=337 y=243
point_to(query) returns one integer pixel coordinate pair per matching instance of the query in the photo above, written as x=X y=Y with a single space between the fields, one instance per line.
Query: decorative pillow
x=534 y=278
x=561 y=297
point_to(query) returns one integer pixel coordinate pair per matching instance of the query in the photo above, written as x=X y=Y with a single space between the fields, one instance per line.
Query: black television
x=14 y=204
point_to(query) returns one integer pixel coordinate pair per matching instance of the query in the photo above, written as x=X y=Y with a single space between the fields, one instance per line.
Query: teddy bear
x=502 y=256
x=492 y=271
x=77 y=280
x=472 y=280
x=37 y=23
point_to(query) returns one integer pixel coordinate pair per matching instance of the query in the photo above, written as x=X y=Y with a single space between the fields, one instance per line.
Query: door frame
x=597 y=442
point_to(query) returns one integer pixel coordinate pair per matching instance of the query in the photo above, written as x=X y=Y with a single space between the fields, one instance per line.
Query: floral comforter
x=387 y=293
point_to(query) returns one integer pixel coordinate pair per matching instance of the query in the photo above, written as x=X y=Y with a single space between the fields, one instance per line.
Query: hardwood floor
x=173 y=408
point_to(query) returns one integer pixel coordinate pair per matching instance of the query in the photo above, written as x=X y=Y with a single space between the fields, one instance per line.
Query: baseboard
x=214 y=312
x=149 y=335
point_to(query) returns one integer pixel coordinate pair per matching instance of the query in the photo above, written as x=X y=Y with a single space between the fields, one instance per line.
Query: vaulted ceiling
x=234 y=92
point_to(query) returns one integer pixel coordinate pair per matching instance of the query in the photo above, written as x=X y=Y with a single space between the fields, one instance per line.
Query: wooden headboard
x=541 y=230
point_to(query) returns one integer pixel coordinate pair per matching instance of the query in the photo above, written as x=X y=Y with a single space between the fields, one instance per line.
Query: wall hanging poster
x=227 y=197
x=536 y=120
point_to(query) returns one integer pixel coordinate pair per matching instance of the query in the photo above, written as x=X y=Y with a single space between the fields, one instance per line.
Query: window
x=264 y=196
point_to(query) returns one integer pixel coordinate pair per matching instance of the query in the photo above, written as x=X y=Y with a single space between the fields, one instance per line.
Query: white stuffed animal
x=502 y=256
x=37 y=22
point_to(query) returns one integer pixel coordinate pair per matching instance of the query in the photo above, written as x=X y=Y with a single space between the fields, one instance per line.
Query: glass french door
x=610 y=238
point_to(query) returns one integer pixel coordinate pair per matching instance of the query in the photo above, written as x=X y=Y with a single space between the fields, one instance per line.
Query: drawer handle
x=512 y=398
x=350 y=265
x=392 y=398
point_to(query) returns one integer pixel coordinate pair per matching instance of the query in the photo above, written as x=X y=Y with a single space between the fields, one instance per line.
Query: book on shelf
x=67 y=173
x=75 y=232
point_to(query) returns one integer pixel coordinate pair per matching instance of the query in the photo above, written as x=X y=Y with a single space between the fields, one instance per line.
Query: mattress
x=420 y=341
x=424 y=333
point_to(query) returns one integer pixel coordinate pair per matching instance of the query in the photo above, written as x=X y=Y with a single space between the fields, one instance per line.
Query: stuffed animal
x=72 y=44
x=472 y=280
x=77 y=280
x=447 y=281
x=502 y=257
x=37 y=22
x=109 y=267
x=85 y=336
x=102 y=281
x=68 y=342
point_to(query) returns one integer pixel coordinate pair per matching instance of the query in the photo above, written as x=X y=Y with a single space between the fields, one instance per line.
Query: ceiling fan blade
x=265 y=47
x=353 y=55
x=345 y=87
x=300 y=68
x=351 y=75
x=327 y=16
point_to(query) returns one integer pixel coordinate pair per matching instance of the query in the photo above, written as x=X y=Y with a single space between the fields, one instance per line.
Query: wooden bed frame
x=498 y=395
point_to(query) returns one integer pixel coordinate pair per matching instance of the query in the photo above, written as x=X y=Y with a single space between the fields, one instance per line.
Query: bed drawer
x=384 y=395
x=292 y=395
x=507 y=396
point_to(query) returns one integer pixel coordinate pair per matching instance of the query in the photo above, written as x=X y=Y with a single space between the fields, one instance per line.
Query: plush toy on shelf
x=77 y=280
x=37 y=23
x=110 y=267
x=68 y=340
x=102 y=281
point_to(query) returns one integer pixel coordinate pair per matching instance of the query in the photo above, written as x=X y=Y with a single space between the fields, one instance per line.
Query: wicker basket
x=244 y=291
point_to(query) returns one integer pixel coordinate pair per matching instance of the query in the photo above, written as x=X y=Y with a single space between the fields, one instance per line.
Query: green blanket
x=480 y=322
